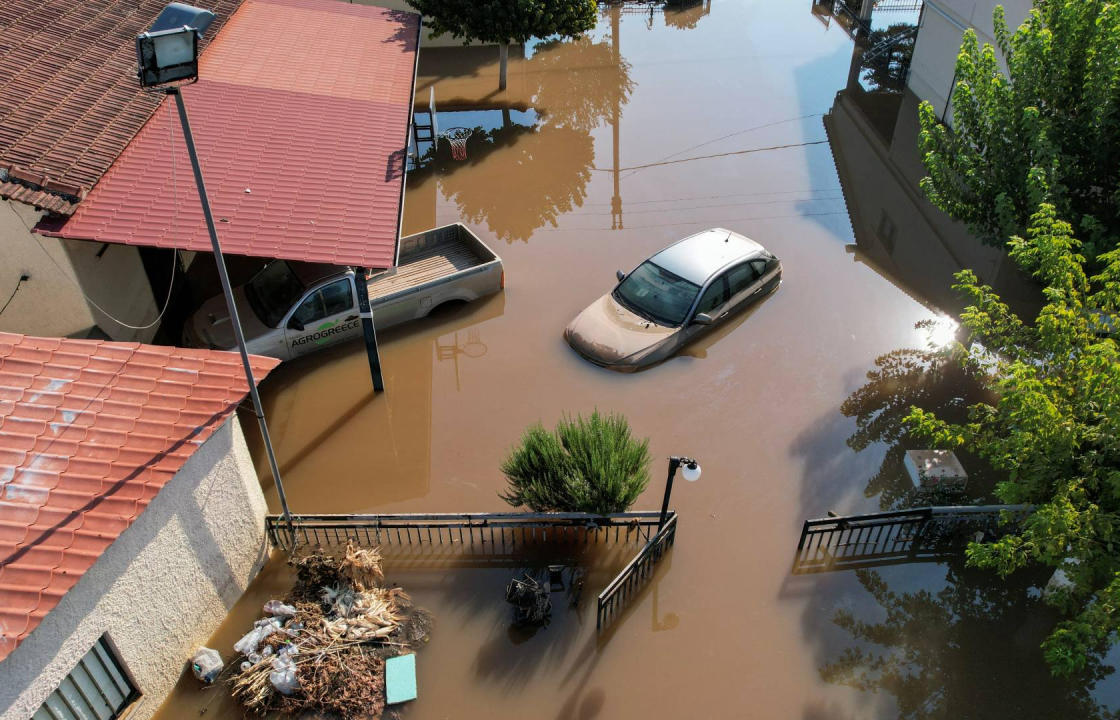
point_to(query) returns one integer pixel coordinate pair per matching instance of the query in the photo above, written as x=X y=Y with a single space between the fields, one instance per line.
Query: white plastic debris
x=278 y=609
x=283 y=676
x=247 y=645
x=206 y=664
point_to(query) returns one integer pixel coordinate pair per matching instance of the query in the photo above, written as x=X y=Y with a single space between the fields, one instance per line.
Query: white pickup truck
x=290 y=309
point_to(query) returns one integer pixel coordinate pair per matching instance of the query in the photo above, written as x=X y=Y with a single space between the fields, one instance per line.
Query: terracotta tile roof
x=69 y=100
x=301 y=142
x=90 y=431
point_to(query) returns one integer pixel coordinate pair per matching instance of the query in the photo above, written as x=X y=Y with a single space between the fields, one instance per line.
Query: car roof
x=699 y=256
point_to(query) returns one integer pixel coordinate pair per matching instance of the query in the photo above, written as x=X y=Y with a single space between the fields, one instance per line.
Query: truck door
x=325 y=316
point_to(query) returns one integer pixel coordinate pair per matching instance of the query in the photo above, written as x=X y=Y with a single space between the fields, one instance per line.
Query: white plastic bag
x=206 y=664
x=283 y=675
x=278 y=609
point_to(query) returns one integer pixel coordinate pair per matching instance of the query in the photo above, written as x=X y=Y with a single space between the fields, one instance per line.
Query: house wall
x=161 y=589
x=939 y=40
x=52 y=303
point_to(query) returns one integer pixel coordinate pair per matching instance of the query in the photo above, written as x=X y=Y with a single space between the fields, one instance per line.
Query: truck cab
x=287 y=309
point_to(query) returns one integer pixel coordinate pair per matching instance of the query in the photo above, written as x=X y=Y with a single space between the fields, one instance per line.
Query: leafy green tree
x=506 y=21
x=593 y=465
x=1053 y=429
x=1046 y=131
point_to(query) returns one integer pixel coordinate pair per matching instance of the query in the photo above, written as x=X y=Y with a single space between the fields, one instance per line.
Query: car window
x=272 y=291
x=759 y=266
x=337 y=297
x=741 y=277
x=714 y=296
x=657 y=294
x=311 y=309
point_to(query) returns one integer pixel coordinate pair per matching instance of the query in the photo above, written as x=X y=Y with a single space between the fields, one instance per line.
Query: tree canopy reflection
x=903 y=379
x=520 y=176
x=969 y=650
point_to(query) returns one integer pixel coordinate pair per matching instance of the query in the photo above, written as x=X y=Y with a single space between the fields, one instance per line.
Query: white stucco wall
x=161 y=589
x=52 y=303
x=939 y=40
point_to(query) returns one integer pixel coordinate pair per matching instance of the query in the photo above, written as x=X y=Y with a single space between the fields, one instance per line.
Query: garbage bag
x=248 y=644
x=283 y=675
x=279 y=609
x=206 y=664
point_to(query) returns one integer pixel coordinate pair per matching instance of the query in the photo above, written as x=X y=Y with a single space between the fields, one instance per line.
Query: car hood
x=212 y=326
x=608 y=333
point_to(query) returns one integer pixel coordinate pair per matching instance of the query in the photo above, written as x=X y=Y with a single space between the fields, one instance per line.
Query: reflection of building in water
x=873 y=131
x=682 y=14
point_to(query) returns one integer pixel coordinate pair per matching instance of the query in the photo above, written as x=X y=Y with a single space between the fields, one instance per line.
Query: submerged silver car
x=672 y=298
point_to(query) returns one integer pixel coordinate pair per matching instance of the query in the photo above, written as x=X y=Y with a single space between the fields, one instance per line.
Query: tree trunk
x=503 y=53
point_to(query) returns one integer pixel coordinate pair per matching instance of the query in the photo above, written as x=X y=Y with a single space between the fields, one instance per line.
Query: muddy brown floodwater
x=601 y=152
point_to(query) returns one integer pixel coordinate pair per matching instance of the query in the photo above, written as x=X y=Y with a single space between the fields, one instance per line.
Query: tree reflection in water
x=931 y=380
x=969 y=650
x=518 y=177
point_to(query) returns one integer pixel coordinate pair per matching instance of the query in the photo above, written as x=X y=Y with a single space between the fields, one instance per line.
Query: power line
x=19 y=283
x=717 y=155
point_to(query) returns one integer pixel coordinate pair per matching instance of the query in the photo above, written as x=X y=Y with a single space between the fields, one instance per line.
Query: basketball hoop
x=457 y=138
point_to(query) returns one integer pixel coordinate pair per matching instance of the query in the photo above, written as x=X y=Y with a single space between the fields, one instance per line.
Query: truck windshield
x=273 y=291
x=657 y=294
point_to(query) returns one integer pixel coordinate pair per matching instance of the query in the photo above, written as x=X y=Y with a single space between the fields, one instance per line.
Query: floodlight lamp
x=167 y=56
x=168 y=51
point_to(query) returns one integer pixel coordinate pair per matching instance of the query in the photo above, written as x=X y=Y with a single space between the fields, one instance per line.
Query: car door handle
x=350 y=317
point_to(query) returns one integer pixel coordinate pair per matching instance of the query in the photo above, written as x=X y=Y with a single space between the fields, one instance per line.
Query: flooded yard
x=601 y=152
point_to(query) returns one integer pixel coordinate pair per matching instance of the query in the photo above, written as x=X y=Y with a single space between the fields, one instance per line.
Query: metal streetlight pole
x=234 y=319
x=691 y=473
x=167 y=57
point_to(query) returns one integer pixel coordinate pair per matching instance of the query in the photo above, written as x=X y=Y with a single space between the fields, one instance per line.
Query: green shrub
x=593 y=466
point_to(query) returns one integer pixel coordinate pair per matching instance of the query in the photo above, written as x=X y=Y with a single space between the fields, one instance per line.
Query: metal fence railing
x=481 y=532
x=633 y=577
x=926 y=533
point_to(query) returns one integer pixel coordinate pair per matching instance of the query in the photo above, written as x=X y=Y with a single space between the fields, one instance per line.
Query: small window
x=759 y=266
x=97 y=688
x=714 y=296
x=741 y=277
x=337 y=297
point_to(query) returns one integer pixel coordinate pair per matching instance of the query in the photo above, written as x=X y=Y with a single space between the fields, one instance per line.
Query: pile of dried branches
x=344 y=627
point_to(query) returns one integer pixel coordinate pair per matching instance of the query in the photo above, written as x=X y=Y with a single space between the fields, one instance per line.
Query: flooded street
x=601 y=152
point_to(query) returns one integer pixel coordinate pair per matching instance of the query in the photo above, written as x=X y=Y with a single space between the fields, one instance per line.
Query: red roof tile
x=69 y=100
x=79 y=461
x=301 y=142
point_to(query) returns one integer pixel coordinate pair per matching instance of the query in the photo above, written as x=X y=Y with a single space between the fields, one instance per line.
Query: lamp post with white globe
x=691 y=473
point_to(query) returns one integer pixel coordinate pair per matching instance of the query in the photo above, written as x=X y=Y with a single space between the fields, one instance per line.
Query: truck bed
x=429 y=257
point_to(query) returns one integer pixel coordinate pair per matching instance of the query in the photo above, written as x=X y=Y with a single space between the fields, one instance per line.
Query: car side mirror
x=702 y=319
x=295 y=324
x=620 y=275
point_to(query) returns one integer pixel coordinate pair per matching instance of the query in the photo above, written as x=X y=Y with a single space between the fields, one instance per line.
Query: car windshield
x=657 y=294
x=273 y=291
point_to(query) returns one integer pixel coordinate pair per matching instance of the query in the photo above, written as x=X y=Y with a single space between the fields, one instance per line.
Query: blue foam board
x=400 y=679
